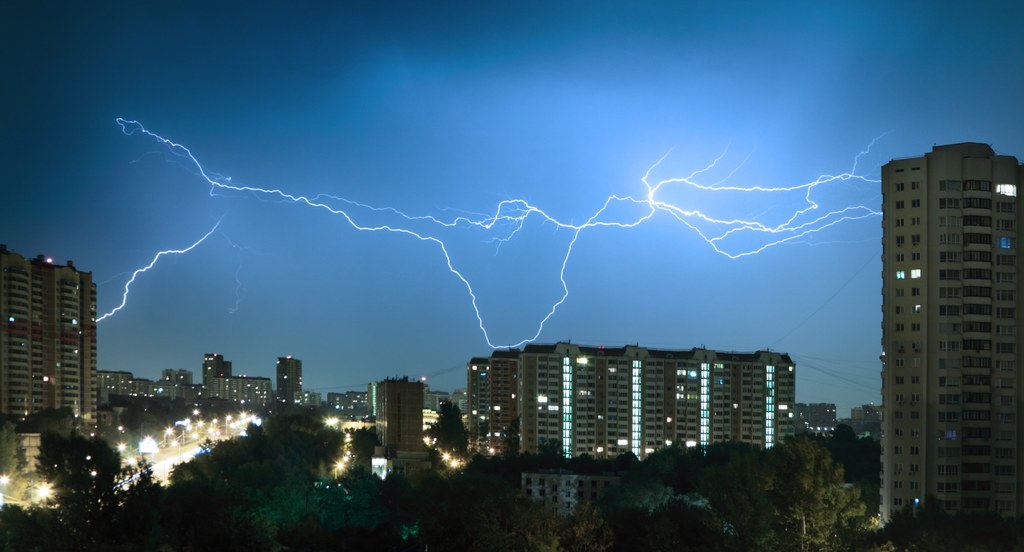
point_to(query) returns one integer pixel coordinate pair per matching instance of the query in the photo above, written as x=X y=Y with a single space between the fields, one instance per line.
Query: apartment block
x=607 y=401
x=951 y=360
x=492 y=400
x=47 y=336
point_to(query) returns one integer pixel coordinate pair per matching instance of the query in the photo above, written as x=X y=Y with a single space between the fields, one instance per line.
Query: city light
x=148 y=446
x=43 y=492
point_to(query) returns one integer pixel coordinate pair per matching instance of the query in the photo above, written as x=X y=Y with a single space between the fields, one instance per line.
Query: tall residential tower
x=47 y=336
x=289 y=379
x=951 y=378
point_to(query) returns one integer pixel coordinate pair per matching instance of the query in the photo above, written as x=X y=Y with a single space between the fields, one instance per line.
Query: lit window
x=1007 y=189
x=901 y=274
x=915 y=273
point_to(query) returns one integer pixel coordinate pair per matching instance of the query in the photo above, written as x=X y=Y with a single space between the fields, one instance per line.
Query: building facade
x=400 y=415
x=214 y=366
x=951 y=362
x=289 y=380
x=350 y=404
x=560 y=491
x=607 y=401
x=47 y=336
x=815 y=418
x=244 y=390
x=492 y=387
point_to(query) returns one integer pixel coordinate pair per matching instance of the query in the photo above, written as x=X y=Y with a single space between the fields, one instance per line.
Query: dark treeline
x=280 y=488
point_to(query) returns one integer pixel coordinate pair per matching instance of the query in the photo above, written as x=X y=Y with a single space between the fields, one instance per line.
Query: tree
x=449 y=432
x=861 y=461
x=364 y=440
x=512 y=438
x=12 y=456
x=587 y=530
x=98 y=503
x=813 y=509
x=49 y=420
x=737 y=494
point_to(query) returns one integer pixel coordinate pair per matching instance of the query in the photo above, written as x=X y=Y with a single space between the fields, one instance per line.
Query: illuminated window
x=915 y=273
x=769 y=406
x=636 y=409
x=1007 y=189
x=566 y=407
x=901 y=274
x=705 y=407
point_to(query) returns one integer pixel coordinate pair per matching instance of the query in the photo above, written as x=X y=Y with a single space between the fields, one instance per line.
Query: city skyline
x=447 y=112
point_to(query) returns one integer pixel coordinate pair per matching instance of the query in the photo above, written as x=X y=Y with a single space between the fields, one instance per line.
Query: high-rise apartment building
x=289 y=379
x=400 y=415
x=608 y=401
x=491 y=398
x=47 y=336
x=214 y=366
x=951 y=355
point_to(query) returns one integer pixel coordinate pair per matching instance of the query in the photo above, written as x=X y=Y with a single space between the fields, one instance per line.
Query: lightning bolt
x=511 y=215
x=128 y=284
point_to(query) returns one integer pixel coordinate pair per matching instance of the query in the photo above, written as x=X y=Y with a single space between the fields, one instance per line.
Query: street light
x=43 y=492
x=4 y=480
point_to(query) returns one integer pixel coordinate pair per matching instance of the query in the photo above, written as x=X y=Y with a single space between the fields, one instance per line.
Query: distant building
x=113 y=383
x=174 y=384
x=218 y=383
x=350 y=404
x=866 y=413
x=179 y=385
x=47 y=337
x=430 y=417
x=214 y=366
x=865 y=420
x=607 y=401
x=459 y=398
x=289 y=379
x=432 y=399
x=561 y=491
x=243 y=390
x=815 y=418
x=177 y=377
x=400 y=414
x=491 y=400
x=309 y=398
x=371 y=397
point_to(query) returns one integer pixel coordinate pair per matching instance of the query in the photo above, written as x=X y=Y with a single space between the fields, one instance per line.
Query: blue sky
x=448 y=110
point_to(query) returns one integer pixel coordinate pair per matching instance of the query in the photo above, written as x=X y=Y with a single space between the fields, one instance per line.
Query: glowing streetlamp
x=43 y=492
x=4 y=480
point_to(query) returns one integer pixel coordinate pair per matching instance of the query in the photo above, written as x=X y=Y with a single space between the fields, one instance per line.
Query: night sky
x=448 y=109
